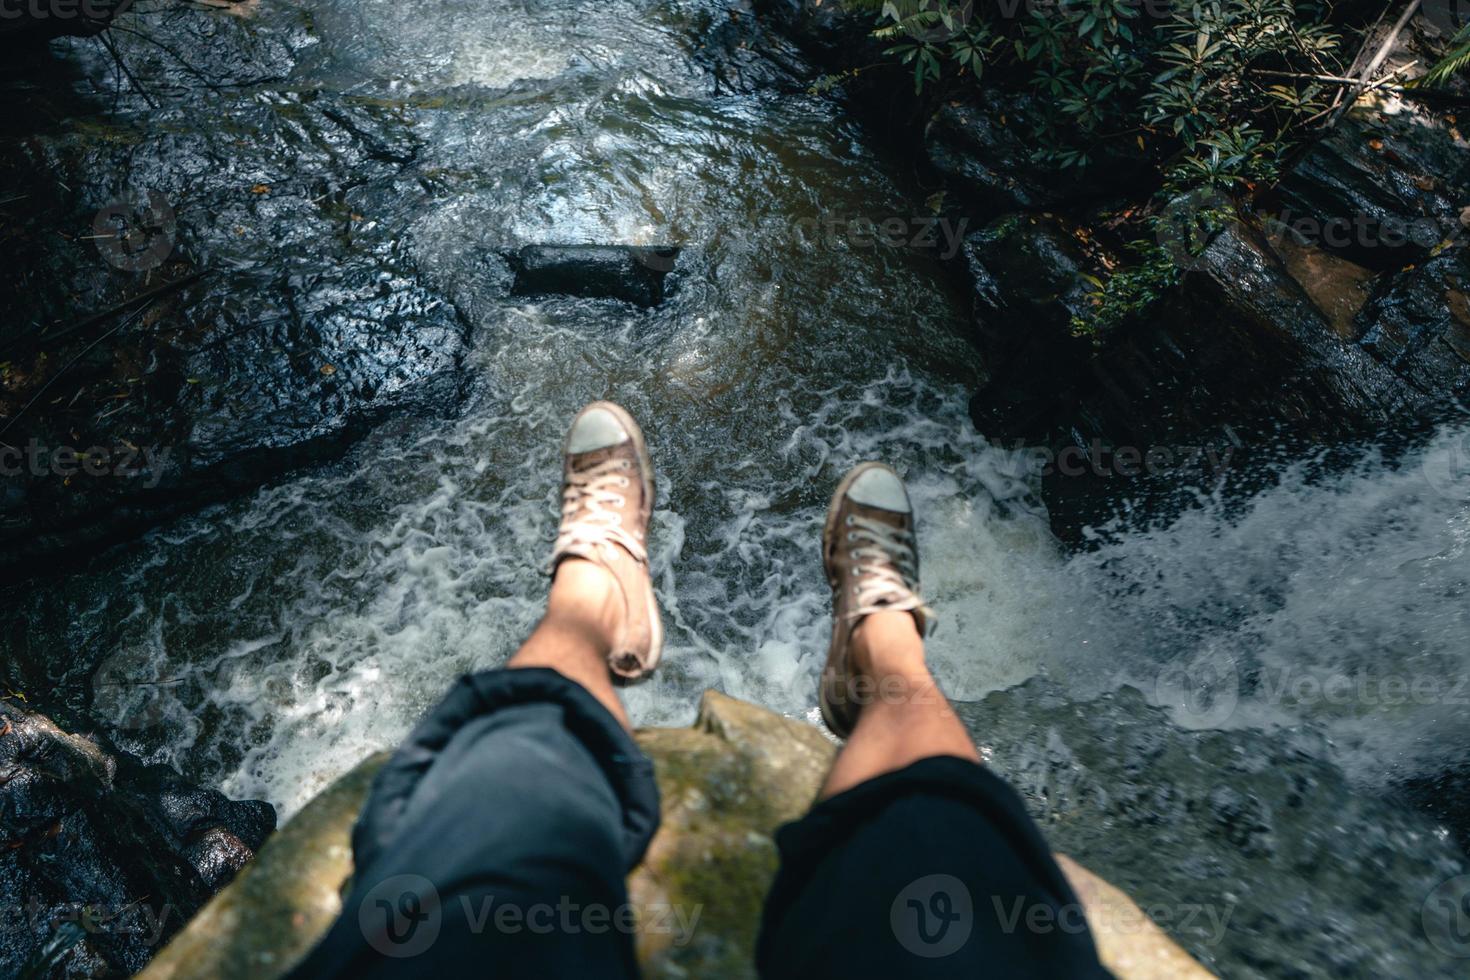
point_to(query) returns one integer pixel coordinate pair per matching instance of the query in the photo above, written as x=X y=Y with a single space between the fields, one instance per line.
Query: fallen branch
x=1388 y=42
x=1336 y=79
x=1440 y=95
x=51 y=336
x=84 y=352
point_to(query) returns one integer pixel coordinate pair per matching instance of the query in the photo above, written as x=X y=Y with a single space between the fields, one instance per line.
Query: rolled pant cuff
x=628 y=770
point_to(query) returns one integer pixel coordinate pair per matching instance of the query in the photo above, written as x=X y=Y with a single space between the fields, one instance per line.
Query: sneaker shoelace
x=886 y=570
x=586 y=521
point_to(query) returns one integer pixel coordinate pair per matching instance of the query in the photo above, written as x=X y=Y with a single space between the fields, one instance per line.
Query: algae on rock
x=727 y=783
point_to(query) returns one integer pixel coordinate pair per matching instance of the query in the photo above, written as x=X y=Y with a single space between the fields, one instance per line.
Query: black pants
x=497 y=839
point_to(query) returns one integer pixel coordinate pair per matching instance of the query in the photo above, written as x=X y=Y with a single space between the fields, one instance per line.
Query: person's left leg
x=917 y=861
x=496 y=840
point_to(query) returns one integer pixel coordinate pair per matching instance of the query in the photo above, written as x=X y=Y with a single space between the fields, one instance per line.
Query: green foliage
x=1130 y=291
x=1199 y=92
x=932 y=33
x=1105 y=72
x=1454 y=62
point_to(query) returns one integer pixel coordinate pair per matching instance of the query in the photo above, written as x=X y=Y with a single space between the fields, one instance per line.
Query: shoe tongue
x=591 y=458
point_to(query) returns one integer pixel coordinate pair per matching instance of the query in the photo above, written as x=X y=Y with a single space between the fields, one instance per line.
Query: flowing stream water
x=266 y=645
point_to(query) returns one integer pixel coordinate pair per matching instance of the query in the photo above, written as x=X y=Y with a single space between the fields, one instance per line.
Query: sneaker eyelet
x=851 y=535
x=625 y=482
x=849 y=520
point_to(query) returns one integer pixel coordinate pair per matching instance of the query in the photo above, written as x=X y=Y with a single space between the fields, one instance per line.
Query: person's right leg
x=917 y=861
x=496 y=840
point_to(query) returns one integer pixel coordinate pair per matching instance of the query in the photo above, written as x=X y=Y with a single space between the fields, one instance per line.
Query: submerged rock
x=102 y=859
x=727 y=783
x=631 y=273
x=1256 y=853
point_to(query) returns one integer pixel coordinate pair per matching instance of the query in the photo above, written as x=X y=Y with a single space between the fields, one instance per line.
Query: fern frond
x=1451 y=64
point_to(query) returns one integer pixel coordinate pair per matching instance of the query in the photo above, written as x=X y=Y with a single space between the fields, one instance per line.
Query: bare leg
x=907 y=719
x=574 y=638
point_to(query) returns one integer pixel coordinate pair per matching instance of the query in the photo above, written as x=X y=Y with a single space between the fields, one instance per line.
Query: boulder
x=1250 y=356
x=833 y=34
x=1382 y=188
x=1418 y=323
x=984 y=150
x=189 y=352
x=1029 y=277
x=631 y=273
x=727 y=783
x=102 y=858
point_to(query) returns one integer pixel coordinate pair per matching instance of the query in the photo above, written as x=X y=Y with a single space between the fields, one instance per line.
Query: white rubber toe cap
x=881 y=488
x=594 y=429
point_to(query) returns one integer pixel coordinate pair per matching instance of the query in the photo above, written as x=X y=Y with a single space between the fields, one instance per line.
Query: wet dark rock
x=743 y=56
x=834 y=35
x=1418 y=323
x=986 y=160
x=1237 y=364
x=1213 y=861
x=1028 y=276
x=984 y=150
x=300 y=321
x=1381 y=188
x=103 y=858
x=1242 y=819
x=631 y=273
x=218 y=856
x=838 y=38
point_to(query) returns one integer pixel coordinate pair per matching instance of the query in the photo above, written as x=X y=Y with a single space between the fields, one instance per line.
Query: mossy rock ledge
x=727 y=782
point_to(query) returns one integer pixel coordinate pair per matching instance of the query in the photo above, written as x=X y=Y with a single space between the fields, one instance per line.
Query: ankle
x=588 y=595
x=885 y=644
